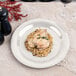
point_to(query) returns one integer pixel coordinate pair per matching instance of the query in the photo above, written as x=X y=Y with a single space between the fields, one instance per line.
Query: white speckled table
x=63 y=16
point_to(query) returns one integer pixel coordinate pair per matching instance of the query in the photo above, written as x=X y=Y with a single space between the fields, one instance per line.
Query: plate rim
x=37 y=66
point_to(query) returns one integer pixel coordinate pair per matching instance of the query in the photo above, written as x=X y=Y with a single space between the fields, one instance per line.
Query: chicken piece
x=39 y=41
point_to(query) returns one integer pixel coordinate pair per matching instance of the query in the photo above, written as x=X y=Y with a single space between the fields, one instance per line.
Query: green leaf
x=45 y=38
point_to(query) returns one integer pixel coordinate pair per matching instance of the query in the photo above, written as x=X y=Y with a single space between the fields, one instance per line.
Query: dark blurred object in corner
x=12 y=0
x=46 y=0
x=66 y=1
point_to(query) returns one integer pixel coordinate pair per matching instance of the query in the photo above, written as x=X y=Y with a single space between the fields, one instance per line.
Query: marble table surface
x=64 y=17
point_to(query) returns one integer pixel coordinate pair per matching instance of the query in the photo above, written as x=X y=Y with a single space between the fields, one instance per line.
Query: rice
x=36 y=51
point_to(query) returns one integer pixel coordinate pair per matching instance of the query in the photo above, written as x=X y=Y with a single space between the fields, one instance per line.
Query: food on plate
x=39 y=42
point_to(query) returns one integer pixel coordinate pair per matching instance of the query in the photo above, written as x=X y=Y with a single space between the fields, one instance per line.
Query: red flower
x=13 y=9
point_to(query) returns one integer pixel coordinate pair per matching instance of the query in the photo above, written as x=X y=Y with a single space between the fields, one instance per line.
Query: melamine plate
x=58 y=52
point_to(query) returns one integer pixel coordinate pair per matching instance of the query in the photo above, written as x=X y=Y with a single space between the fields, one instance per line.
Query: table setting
x=37 y=43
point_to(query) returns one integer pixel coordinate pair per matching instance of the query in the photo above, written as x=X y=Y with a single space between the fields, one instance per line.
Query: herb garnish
x=41 y=37
x=44 y=38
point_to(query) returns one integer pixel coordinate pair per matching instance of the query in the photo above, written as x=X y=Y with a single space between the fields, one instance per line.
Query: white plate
x=59 y=50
